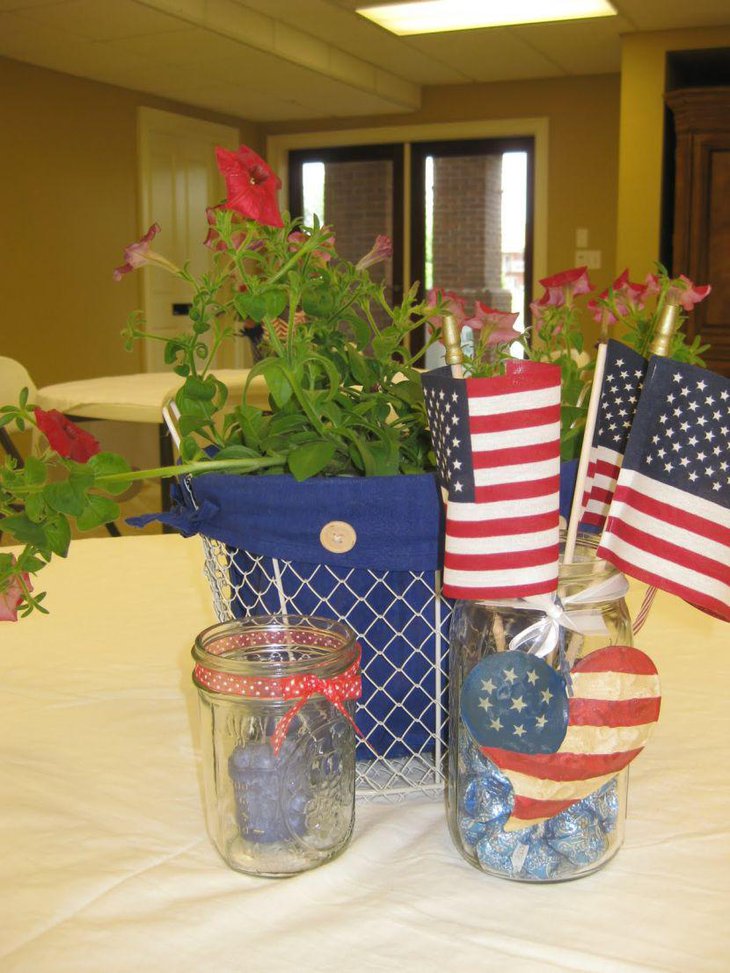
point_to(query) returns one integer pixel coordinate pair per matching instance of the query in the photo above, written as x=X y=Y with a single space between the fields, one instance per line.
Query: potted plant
x=343 y=514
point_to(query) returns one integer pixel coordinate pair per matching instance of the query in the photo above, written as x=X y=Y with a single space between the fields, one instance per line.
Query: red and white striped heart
x=615 y=704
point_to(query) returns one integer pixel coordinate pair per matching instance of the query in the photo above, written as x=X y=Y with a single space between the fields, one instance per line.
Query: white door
x=179 y=179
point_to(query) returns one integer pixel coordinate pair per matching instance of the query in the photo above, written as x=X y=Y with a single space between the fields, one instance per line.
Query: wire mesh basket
x=266 y=553
x=402 y=625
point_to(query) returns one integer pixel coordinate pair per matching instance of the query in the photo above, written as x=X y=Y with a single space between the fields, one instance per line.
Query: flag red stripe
x=622 y=658
x=599 y=495
x=507 y=559
x=609 y=470
x=673 y=515
x=519 y=380
x=498 y=528
x=521 y=419
x=496 y=591
x=613 y=712
x=518 y=491
x=593 y=519
x=516 y=455
x=561 y=766
x=530 y=809
x=669 y=552
x=697 y=598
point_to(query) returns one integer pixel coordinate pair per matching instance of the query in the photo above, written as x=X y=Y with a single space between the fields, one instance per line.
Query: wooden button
x=338 y=537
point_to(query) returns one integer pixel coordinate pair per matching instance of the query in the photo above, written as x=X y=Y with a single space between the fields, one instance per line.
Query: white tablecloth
x=136 y=398
x=105 y=865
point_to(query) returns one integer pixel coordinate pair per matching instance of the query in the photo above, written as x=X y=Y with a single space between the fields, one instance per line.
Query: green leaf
x=58 y=533
x=35 y=507
x=99 y=510
x=63 y=498
x=109 y=464
x=267 y=303
x=307 y=461
x=35 y=471
x=319 y=301
x=24 y=530
x=236 y=452
x=277 y=381
x=196 y=388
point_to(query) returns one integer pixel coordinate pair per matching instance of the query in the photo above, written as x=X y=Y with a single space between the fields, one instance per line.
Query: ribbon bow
x=566 y=613
x=337 y=689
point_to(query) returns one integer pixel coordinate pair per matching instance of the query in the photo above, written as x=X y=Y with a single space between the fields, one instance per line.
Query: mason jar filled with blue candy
x=549 y=702
x=277 y=696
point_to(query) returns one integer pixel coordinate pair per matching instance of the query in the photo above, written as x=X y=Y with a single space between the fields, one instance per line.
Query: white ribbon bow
x=545 y=633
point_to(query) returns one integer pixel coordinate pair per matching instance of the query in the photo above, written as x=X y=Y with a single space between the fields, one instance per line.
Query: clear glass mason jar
x=582 y=837
x=276 y=698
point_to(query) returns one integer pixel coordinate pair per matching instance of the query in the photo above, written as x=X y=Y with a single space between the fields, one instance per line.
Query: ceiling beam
x=237 y=22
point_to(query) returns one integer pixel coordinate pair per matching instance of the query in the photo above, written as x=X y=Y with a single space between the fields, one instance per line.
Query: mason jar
x=518 y=806
x=276 y=698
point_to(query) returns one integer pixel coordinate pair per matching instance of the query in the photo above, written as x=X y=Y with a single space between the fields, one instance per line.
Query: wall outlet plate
x=592 y=259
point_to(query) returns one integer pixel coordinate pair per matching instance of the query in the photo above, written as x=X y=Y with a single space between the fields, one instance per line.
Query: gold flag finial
x=666 y=326
x=452 y=341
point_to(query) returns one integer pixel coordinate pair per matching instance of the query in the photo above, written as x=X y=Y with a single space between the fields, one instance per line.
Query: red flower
x=499 y=325
x=687 y=293
x=563 y=287
x=66 y=438
x=136 y=254
x=251 y=185
x=11 y=597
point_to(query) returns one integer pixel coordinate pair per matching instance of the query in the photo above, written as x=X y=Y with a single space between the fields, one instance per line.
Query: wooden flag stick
x=576 y=510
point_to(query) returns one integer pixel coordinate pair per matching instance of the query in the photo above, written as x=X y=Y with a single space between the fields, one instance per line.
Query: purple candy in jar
x=257 y=775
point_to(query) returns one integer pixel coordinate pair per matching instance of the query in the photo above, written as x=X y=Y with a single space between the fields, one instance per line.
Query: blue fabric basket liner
x=398 y=521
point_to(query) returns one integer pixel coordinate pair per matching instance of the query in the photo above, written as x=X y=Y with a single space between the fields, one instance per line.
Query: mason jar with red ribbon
x=277 y=696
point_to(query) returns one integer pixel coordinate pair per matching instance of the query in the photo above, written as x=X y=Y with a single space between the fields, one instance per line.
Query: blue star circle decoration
x=515 y=701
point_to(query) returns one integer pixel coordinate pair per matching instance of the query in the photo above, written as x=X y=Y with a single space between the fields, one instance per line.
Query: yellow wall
x=641 y=137
x=68 y=206
x=583 y=116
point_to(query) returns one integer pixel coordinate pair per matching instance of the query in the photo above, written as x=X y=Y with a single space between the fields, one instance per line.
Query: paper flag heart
x=615 y=704
x=515 y=701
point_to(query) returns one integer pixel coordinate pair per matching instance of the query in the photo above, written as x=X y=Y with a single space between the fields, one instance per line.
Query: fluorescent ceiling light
x=432 y=16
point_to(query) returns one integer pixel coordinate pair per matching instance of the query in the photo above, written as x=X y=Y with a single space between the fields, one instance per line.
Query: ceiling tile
x=496 y=54
x=102 y=19
x=578 y=47
x=663 y=15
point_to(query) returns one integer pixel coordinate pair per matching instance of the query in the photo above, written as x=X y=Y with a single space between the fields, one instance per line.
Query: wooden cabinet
x=701 y=240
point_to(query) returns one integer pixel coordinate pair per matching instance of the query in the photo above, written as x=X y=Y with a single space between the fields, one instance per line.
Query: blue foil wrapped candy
x=556 y=849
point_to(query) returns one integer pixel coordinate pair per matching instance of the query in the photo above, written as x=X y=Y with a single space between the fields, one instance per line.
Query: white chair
x=13 y=378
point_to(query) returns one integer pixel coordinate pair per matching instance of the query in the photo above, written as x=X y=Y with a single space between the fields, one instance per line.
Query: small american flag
x=497 y=442
x=622 y=382
x=605 y=725
x=669 y=523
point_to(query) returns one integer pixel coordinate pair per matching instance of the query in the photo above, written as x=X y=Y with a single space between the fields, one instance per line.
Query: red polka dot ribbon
x=337 y=689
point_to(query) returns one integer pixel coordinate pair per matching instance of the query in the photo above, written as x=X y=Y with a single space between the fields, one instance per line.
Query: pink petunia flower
x=382 y=249
x=627 y=297
x=137 y=254
x=213 y=240
x=251 y=185
x=297 y=238
x=498 y=326
x=686 y=293
x=563 y=287
x=12 y=596
x=453 y=305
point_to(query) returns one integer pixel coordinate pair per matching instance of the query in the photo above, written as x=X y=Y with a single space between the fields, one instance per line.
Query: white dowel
x=576 y=510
